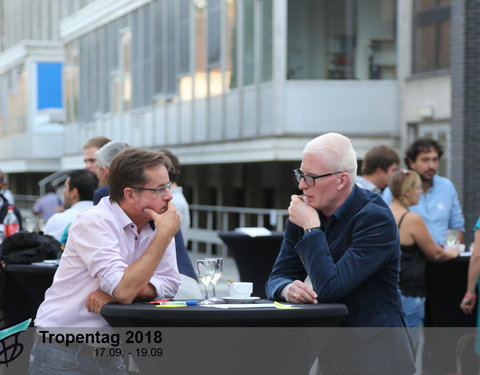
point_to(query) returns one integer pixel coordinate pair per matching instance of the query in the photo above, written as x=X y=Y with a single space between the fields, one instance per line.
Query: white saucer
x=240 y=300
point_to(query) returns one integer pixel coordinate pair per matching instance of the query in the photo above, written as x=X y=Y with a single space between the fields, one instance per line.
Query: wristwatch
x=310 y=230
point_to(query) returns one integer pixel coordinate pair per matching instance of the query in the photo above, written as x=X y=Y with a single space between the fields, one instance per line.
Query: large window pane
x=200 y=51
x=431 y=30
x=171 y=58
x=248 y=42
x=158 y=9
x=425 y=48
x=444 y=45
x=421 y=5
x=267 y=40
x=231 y=45
x=341 y=39
x=126 y=94
x=71 y=81
x=184 y=32
x=213 y=9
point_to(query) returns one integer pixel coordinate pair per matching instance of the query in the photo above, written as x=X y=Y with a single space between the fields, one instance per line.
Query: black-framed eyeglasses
x=160 y=190
x=310 y=180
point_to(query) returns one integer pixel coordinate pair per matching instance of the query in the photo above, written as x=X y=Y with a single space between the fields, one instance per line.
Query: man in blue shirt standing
x=346 y=239
x=438 y=205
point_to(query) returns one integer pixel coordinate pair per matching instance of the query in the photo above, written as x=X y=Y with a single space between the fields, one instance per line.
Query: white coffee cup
x=240 y=289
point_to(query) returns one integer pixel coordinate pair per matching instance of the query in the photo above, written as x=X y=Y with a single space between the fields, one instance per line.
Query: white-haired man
x=346 y=239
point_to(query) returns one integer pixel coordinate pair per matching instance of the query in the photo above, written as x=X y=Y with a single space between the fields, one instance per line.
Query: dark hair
x=128 y=169
x=97 y=142
x=85 y=181
x=49 y=188
x=174 y=171
x=422 y=145
x=379 y=157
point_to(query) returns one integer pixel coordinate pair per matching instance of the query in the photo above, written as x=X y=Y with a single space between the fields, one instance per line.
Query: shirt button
x=131 y=226
x=136 y=238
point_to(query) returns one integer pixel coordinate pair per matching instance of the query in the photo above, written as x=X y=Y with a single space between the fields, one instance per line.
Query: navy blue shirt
x=354 y=259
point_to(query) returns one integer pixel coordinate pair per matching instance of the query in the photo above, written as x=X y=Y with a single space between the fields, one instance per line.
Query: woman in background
x=416 y=244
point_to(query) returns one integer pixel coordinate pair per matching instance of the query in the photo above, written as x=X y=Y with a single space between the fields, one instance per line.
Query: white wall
x=432 y=92
x=358 y=107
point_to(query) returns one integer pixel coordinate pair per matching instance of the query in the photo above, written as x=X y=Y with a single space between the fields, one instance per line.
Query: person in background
x=438 y=205
x=346 y=239
x=89 y=152
x=47 y=205
x=120 y=251
x=78 y=194
x=416 y=244
x=4 y=191
x=104 y=157
x=378 y=165
x=178 y=199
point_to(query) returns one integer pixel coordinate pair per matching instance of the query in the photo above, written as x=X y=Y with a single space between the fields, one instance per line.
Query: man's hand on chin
x=301 y=214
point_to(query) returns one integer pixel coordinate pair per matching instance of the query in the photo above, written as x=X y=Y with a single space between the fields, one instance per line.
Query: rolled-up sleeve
x=166 y=278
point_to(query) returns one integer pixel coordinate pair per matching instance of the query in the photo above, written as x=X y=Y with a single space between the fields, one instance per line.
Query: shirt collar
x=123 y=218
x=344 y=209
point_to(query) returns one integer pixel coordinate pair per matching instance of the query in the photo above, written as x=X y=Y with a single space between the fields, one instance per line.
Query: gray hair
x=108 y=151
x=337 y=153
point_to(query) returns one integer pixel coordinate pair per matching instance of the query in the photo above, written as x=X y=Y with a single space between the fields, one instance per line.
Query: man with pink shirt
x=121 y=250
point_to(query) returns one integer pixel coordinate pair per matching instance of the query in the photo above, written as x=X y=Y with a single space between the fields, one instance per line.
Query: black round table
x=207 y=340
x=254 y=256
x=148 y=315
x=25 y=287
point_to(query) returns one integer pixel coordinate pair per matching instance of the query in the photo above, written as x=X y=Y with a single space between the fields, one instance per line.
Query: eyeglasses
x=160 y=190
x=310 y=180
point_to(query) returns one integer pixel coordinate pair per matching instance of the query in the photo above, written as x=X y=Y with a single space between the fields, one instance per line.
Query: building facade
x=235 y=88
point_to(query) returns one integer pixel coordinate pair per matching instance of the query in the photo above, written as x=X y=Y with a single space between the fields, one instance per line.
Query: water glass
x=218 y=266
x=205 y=272
x=452 y=238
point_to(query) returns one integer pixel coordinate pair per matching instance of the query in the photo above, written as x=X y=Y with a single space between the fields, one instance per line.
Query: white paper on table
x=240 y=305
x=466 y=254
x=254 y=231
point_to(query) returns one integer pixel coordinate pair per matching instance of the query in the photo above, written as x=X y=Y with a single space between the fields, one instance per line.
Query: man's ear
x=344 y=180
x=74 y=194
x=409 y=163
x=129 y=195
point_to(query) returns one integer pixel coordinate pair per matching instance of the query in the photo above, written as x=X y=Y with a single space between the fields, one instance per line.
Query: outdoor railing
x=207 y=221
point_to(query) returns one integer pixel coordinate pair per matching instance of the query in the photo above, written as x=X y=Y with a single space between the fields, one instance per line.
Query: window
x=171 y=58
x=200 y=78
x=248 y=42
x=267 y=40
x=231 y=45
x=213 y=27
x=71 y=81
x=341 y=39
x=431 y=36
x=125 y=68
x=159 y=50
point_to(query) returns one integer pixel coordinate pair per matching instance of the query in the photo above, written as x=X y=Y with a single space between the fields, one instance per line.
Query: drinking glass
x=452 y=238
x=218 y=266
x=205 y=271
